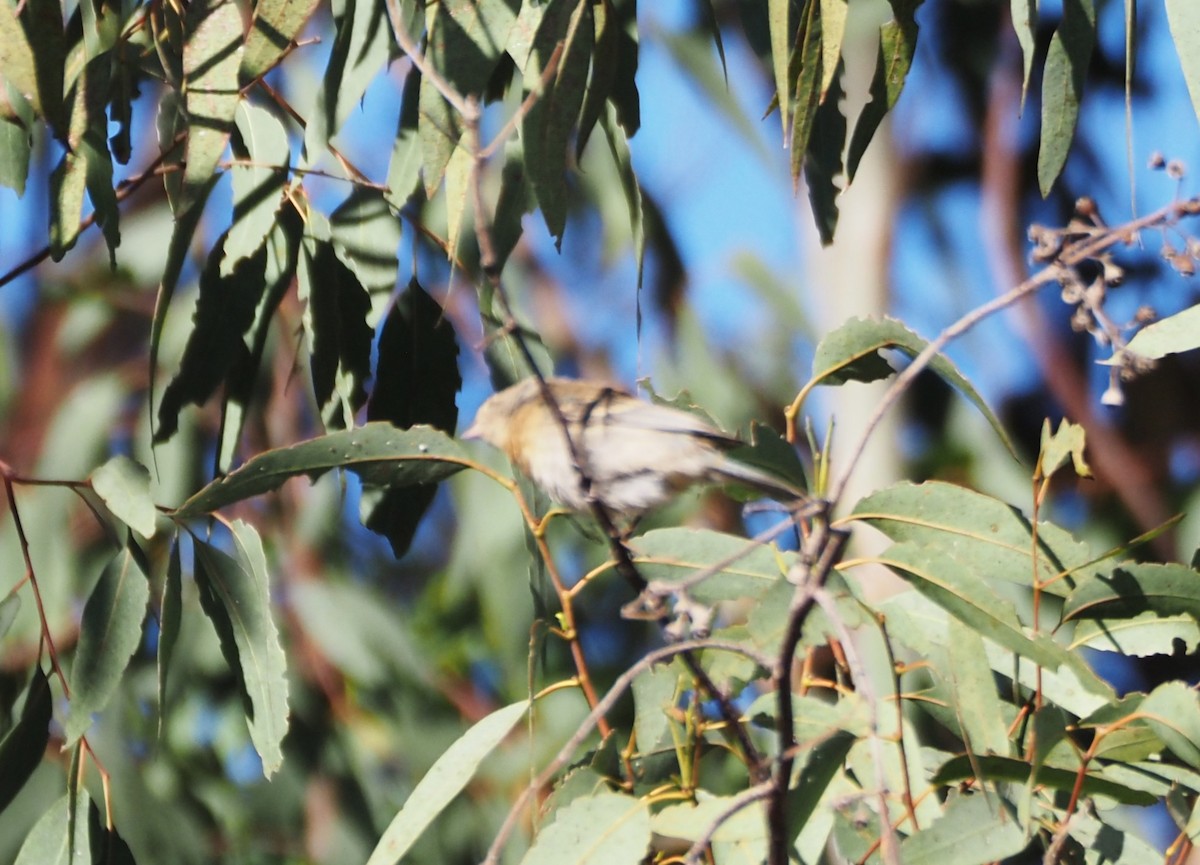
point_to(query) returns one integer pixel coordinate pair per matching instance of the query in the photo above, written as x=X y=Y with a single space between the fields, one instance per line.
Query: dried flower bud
x=1081 y=320
x=1085 y=206
x=1113 y=396
x=1184 y=264
x=1145 y=314
x=1114 y=274
x=1157 y=161
x=1168 y=251
x=1193 y=247
x=1176 y=169
x=1072 y=292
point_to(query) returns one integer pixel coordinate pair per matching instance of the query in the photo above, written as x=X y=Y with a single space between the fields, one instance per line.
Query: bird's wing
x=636 y=414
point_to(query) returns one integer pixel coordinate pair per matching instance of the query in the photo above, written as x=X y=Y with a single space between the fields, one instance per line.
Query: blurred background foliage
x=390 y=659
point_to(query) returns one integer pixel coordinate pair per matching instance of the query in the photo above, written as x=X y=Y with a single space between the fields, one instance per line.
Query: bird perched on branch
x=627 y=454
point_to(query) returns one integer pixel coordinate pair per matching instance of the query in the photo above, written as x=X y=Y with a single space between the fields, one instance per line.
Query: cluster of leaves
x=959 y=717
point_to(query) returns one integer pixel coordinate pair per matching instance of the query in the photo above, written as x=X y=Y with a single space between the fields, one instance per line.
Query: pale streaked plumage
x=637 y=455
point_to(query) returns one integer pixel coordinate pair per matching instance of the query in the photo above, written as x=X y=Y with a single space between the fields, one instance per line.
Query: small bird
x=632 y=455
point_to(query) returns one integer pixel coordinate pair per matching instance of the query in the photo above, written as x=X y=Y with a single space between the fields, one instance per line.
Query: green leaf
x=971 y=831
x=546 y=126
x=654 y=695
x=404 y=168
x=1174 y=334
x=965 y=594
x=467 y=39
x=780 y=30
x=618 y=145
x=9 y=608
x=281 y=250
x=1172 y=711
x=212 y=56
x=109 y=634
x=124 y=486
x=822 y=765
x=225 y=311
x=1024 y=20
x=987 y=537
x=810 y=73
x=335 y=320
x=366 y=238
x=897 y=45
x=851 y=353
x=24 y=746
x=169 y=621
x=1140 y=635
x=1063 y=79
x=177 y=252
x=605 y=55
x=1134 y=588
x=416 y=380
x=977 y=705
x=439 y=130
x=44 y=27
x=51 y=840
x=444 y=780
x=257 y=189
x=688 y=821
x=85 y=166
x=671 y=555
x=16 y=145
x=17 y=64
x=823 y=166
x=1183 y=17
x=594 y=830
x=275 y=26
x=377 y=452
x=236 y=596
x=1016 y=770
x=360 y=52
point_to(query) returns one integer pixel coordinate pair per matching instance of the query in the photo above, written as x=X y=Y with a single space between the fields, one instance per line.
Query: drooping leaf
x=618 y=146
x=851 y=353
x=169 y=619
x=224 y=312
x=808 y=67
x=260 y=140
x=404 y=167
x=377 y=452
x=821 y=765
x=467 y=39
x=547 y=125
x=781 y=36
x=604 y=71
x=416 y=381
x=275 y=26
x=1024 y=21
x=281 y=251
x=439 y=130
x=24 y=746
x=360 y=52
x=109 y=633
x=823 y=165
x=1063 y=79
x=9 y=607
x=212 y=56
x=897 y=45
x=107 y=845
x=972 y=830
x=366 y=238
x=444 y=780
x=335 y=319
x=124 y=486
x=236 y=596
